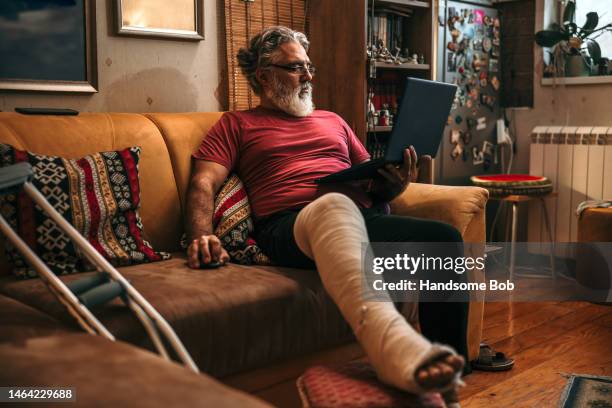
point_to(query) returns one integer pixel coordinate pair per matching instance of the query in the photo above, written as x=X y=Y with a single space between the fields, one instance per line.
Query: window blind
x=245 y=19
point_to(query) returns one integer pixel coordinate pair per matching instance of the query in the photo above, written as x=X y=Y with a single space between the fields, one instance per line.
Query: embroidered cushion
x=98 y=194
x=233 y=224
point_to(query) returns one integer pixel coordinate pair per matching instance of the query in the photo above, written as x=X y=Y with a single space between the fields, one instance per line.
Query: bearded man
x=278 y=149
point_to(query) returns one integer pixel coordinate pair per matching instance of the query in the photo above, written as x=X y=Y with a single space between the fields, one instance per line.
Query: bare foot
x=439 y=373
x=424 y=170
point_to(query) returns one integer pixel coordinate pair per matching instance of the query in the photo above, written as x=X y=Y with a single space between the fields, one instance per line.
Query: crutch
x=104 y=286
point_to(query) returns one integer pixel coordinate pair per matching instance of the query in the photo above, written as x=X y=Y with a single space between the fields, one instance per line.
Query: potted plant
x=574 y=48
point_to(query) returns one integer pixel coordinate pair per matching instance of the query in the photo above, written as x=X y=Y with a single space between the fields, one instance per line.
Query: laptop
x=423 y=113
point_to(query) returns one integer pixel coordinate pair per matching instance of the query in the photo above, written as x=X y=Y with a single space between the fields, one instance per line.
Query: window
x=604 y=9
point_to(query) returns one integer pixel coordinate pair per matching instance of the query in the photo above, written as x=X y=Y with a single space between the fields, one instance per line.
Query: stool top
x=508 y=179
x=503 y=185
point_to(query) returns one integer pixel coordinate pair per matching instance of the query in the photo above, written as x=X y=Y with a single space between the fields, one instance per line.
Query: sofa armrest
x=457 y=206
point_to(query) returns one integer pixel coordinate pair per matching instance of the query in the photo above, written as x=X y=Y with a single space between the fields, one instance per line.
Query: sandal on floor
x=491 y=360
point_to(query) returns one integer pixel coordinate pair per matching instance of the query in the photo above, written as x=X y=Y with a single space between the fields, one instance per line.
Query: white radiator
x=578 y=161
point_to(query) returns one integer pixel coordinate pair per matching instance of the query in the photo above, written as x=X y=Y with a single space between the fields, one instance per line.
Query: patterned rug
x=587 y=391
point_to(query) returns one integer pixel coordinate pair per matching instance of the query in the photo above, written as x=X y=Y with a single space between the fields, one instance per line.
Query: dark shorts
x=274 y=234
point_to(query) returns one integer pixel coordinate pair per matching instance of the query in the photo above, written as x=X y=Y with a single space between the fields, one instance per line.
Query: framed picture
x=48 y=45
x=178 y=19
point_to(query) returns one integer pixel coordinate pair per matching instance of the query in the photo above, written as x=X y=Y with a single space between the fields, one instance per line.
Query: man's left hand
x=394 y=180
x=397 y=178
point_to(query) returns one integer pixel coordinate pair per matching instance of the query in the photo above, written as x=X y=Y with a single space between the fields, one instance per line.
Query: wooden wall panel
x=338 y=49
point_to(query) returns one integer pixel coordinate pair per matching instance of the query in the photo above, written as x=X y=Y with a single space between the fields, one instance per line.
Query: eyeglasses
x=300 y=69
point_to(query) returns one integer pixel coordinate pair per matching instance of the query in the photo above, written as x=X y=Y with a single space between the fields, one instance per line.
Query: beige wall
x=571 y=105
x=563 y=105
x=143 y=75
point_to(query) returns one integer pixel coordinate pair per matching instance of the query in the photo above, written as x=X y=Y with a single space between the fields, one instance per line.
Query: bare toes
x=422 y=376
x=455 y=361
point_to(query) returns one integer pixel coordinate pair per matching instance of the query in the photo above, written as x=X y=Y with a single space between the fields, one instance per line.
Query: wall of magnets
x=469 y=51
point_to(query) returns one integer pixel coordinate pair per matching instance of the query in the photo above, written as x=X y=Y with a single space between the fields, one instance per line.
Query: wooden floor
x=548 y=340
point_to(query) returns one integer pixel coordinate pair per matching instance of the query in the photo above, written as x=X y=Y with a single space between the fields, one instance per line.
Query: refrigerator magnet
x=451 y=65
x=476 y=63
x=455 y=34
x=455 y=135
x=493 y=65
x=479 y=16
x=487 y=148
x=495 y=82
x=477 y=156
x=481 y=123
x=486 y=44
x=468 y=32
x=457 y=151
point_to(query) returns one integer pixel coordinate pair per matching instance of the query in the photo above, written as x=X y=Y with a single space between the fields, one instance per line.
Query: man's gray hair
x=260 y=52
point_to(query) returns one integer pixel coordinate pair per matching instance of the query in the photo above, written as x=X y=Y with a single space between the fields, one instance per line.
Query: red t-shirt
x=278 y=156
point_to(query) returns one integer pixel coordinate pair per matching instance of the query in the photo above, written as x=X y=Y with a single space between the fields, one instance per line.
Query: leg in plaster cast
x=331 y=230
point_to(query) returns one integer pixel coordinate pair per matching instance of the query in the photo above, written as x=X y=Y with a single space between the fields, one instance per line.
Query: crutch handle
x=84 y=284
x=14 y=176
x=101 y=294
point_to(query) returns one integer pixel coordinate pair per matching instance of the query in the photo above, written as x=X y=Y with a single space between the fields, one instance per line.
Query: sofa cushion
x=231 y=319
x=112 y=374
x=87 y=133
x=98 y=194
x=19 y=322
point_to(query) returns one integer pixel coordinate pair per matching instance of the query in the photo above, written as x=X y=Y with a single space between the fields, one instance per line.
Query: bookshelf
x=340 y=32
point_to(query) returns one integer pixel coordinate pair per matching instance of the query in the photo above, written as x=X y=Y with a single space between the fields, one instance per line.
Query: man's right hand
x=210 y=248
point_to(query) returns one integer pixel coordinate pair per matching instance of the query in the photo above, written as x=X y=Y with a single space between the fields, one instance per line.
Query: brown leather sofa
x=234 y=320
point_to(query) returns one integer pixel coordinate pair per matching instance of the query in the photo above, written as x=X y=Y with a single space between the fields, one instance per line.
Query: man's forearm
x=199 y=211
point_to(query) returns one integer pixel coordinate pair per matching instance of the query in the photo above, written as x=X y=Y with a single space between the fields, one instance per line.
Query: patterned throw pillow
x=233 y=224
x=98 y=194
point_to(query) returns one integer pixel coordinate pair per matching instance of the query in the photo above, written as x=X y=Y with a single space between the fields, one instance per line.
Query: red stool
x=354 y=385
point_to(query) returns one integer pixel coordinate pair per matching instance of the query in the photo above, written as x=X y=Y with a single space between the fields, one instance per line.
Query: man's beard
x=294 y=101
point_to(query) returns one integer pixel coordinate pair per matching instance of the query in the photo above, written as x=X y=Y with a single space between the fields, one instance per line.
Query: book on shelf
x=387 y=27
